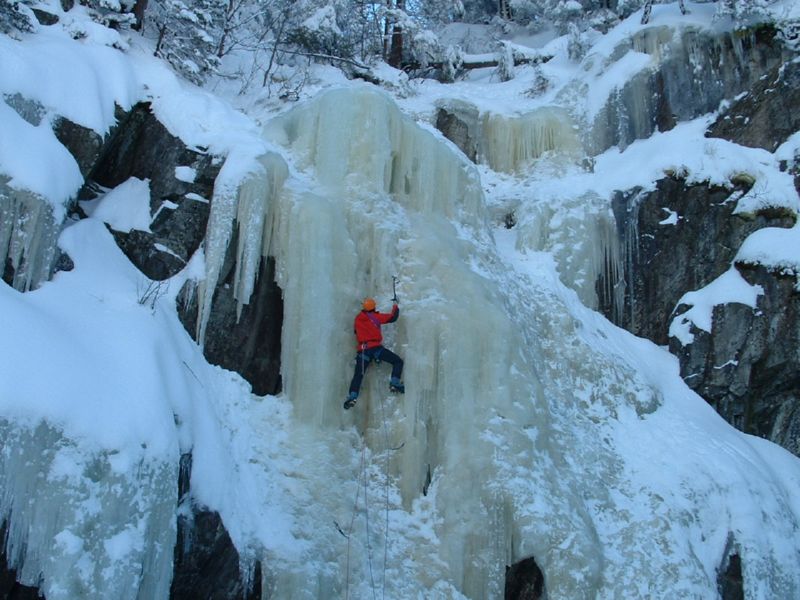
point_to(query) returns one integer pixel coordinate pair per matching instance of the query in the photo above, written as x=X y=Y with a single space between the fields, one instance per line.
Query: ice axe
x=394 y=289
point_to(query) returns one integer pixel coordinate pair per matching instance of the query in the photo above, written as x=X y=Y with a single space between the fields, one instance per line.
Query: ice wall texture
x=530 y=426
x=28 y=233
x=390 y=198
x=509 y=144
x=84 y=524
x=512 y=143
x=246 y=206
x=580 y=234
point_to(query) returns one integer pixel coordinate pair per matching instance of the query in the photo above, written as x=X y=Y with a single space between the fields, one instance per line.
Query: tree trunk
x=396 y=50
x=483 y=64
x=504 y=9
x=138 y=12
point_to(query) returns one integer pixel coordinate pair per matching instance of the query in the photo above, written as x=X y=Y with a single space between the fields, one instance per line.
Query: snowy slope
x=530 y=426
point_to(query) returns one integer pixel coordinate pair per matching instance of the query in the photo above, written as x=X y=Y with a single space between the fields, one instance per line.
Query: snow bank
x=113 y=388
x=82 y=82
x=124 y=208
x=775 y=248
x=31 y=158
x=728 y=288
x=102 y=390
x=89 y=390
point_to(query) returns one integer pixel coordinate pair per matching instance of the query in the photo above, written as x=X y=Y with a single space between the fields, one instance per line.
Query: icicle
x=79 y=524
x=614 y=270
x=248 y=204
x=254 y=218
x=631 y=256
x=509 y=144
x=581 y=235
x=361 y=139
x=28 y=235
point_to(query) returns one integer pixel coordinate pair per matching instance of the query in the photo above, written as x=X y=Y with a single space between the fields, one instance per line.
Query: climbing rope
x=363 y=473
x=348 y=535
x=386 y=495
x=366 y=519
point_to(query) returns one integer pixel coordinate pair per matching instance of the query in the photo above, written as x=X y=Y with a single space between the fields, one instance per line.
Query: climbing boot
x=396 y=386
x=351 y=400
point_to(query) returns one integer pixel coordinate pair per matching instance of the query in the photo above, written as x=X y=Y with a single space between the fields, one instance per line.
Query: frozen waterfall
x=530 y=425
x=510 y=144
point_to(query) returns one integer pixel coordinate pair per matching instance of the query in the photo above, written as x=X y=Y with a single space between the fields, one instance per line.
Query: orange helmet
x=369 y=304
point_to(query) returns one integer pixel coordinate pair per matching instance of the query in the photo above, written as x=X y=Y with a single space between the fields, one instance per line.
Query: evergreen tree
x=188 y=34
x=111 y=13
x=15 y=16
x=745 y=11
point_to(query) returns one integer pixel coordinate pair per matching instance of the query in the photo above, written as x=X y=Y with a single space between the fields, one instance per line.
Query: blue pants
x=377 y=354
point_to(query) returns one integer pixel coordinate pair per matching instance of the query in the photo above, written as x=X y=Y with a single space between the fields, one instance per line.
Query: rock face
x=251 y=343
x=459 y=122
x=747 y=366
x=767 y=115
x=696 y=71
x=84 y=144
x=679 y=238
x=729 y=580
x=524 y=581
x=674 y=239
x=206 y=561
x=140 y=146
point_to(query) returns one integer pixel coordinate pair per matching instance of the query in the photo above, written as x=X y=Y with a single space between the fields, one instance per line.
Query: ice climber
x=367 y=327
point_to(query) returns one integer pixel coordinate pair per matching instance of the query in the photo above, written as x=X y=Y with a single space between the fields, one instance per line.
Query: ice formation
x=660 y=75
x=511 y=419
x=101 y=527
x=394 y=200
x=509 y=144
x=28 y=233
x=246 y=205
x=581 y=235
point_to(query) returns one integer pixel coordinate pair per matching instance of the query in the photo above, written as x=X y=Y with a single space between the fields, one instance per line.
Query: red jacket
x=368 y=327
